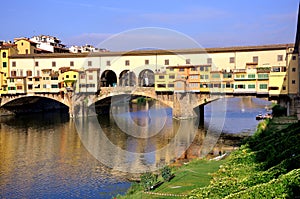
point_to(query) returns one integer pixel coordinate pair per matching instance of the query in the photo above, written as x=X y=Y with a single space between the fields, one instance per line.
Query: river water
x=49 y=156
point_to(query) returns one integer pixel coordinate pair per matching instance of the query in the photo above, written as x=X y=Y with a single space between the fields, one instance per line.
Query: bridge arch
x=34 y=103
x=146 y=78
x=127 y=78
x=108 y=78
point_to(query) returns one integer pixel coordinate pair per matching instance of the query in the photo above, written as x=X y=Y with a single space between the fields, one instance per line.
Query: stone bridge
x=181 y=103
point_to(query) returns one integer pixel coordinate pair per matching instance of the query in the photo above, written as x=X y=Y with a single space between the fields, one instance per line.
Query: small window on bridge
x=273 y=88
x=167 y=62
x=161 y=85
x=171 y=85
x=161 y=77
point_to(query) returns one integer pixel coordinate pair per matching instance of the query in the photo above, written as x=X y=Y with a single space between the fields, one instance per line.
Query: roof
x=159 y=52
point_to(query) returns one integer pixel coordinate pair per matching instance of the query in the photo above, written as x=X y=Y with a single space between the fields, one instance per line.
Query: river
x=49 y=156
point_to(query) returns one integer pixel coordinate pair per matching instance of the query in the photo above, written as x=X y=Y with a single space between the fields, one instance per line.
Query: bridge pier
x=183 y=106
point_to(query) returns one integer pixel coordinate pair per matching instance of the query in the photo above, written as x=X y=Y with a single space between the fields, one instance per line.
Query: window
x=231 y=60
x=4 y=54
x=127 y=63
x=74 y=76
x=293 y=81
x=171 y=76
x=255 y=59
x=30 y=87
x=240 y=86
x=251 y=76
x=82 y=76
x=11 y=80
x=274 y=88
x=263 y=86
x=209 y=60
x=215 y=75
x=171 y=85
x=90 y=63
x=53 y=64
x=90 y=77
x=293 y=69
x=13 y=73
x=161 y=85
x=161 y=77
x=194 y=69
x=4 y=64
x=181 y=69
x=37 y=79
x=251 y=86
x=167 y=62
x=293 y=57
x=263 y=76
x=71 y=63
x=54 y=86
x=67 y=76
x=108 y=63
x=14 y=64
x=26 y=51
x=216 y=85
x=227 y=75
x=193 y=76
x=19 y=87
x=54 y=78
x=36 y=63
x=203 y=76
x=146 y=62
x=283 y=88
x=38 y=73
x=228 y=85
x=21 y=72
x=188 y=61
x=44 y=85
x=279 y=57
x=29 y=73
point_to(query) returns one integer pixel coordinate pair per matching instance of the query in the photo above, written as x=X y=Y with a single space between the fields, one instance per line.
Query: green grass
x=266 y=166
x=196 y=173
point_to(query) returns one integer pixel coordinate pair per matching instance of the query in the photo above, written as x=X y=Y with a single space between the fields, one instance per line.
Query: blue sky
x=214 y=23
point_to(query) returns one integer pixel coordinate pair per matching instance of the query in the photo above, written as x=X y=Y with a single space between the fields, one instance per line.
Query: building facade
x=259 y=70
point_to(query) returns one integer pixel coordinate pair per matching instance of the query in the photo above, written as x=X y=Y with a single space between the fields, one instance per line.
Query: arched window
x=4 y=54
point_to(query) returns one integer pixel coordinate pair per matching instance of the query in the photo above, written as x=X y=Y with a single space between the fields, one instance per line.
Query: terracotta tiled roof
x=160 y=52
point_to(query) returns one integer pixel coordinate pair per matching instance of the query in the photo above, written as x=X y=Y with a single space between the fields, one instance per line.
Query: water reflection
x=42 y=155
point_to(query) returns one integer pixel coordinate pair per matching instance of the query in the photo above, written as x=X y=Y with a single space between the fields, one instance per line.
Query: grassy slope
x=267 y=166
x=188 y=177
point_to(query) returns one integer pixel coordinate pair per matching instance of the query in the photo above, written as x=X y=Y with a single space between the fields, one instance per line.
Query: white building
x=86 y=49
x=49 y=43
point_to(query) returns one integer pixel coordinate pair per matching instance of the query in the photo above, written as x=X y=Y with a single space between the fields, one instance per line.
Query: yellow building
x=25 y=46
x=69 y=79
x=6 y=50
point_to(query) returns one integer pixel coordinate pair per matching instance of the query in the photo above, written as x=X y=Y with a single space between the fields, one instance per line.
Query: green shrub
x=148 y=180
x=166 y=173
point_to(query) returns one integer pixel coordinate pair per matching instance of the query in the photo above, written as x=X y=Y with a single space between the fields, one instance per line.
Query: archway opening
x=146 y=78
x=108 y=79
x=127 y=78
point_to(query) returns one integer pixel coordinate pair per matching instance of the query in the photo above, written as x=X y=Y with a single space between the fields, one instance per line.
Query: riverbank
x=266 y=165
